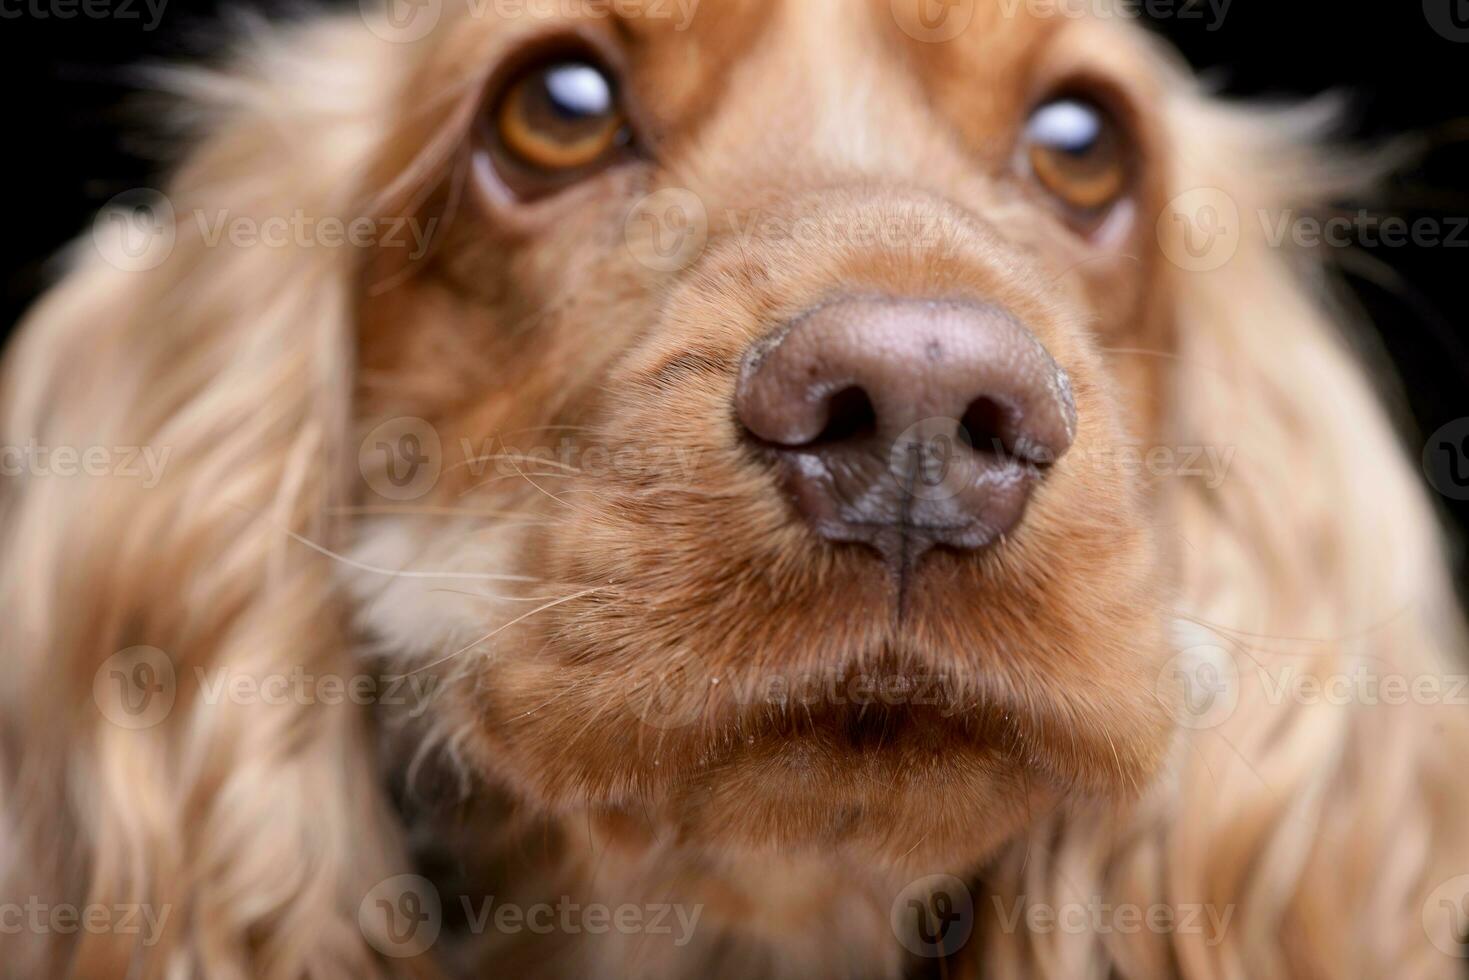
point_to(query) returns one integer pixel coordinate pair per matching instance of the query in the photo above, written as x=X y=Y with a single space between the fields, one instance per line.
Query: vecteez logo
x=933 y=21
x=668 y=230
x=136 y=230
x=136 y=688
x=402 y=458
x=1449 y=18
x=1199 y=230
x=401 y=21
x=402 y=916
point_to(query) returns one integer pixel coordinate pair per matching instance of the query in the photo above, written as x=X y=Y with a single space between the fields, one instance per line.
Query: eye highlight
x=555 y=123
x=1076 y=152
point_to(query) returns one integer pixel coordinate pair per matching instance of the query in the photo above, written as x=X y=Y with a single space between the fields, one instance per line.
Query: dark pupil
x=577 y=92
x=1070 y=127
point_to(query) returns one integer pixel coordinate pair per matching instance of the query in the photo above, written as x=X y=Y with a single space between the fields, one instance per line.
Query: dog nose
x=905 y=424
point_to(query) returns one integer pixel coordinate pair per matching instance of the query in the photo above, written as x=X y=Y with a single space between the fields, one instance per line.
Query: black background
x=72 y=145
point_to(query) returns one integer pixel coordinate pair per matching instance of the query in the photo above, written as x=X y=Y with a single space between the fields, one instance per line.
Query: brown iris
x=1075 y=152
x=560 y=119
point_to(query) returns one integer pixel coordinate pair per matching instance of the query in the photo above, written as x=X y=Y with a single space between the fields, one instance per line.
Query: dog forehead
x=838 y=87
x=846 y=75
x=934 y=25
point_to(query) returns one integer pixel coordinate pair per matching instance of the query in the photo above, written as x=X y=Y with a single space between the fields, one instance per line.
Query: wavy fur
x=262 y=828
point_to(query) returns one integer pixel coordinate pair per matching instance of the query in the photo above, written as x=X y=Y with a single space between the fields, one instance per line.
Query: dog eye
x=560 y=121
x=1075 y=151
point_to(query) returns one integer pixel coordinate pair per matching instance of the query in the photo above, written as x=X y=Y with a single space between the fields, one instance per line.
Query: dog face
x=769 y=367
x=746 y=410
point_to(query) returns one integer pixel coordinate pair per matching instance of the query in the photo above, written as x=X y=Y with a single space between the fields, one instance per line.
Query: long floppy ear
x=1331 y=821
x=174 y=748
x=1312 y=815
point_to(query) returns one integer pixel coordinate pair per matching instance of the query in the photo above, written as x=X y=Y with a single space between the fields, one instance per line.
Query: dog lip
x=911 y=526
x=922 y=715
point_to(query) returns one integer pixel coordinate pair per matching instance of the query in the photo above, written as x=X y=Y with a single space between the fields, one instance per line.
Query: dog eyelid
x=554 y=122
x=1076 y=151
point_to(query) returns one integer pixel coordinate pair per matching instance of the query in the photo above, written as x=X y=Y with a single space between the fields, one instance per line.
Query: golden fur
x=1323 y=828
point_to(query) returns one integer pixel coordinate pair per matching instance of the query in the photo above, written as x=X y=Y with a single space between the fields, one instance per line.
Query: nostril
x=906 y=424
x=850 y=415
x=984 y=424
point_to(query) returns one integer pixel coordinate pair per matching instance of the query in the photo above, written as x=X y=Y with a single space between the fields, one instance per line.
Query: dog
x=762 y=488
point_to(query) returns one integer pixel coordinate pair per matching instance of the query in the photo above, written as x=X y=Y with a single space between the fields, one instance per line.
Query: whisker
x=498 y=630
x=1236 y=636
x=537 y=460
x=400 y=573
x=1120 y=256
x=558 y=696
x=414 y=511
x=1145 y=352
x=1170 y=356
x=547 y=428
x=591 y=721
x=521 y=475
x=493 y=598
x=538 y=487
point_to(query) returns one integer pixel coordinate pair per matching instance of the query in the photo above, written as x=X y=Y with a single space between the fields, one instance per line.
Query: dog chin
x=887 y=755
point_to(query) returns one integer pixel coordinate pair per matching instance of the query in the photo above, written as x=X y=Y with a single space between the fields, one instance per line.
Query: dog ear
x=1308 y=550
x=176 y=412
x=1319 y=556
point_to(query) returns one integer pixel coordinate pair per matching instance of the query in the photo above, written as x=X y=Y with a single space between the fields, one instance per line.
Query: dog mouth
x=762 y=706
x=840 y=665
x=882 y=707
x=926 y=723
x=886 y=753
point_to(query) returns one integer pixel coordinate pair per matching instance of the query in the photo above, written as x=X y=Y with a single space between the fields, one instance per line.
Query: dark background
x=71 y=146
